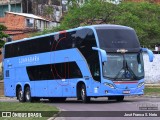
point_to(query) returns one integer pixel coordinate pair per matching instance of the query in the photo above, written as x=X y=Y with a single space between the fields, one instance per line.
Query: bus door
x=60 y=86
x=65 y=81
x=9 y=78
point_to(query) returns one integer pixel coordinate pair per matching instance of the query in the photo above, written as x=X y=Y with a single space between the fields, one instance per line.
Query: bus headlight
x=110 y=85
x=140 y=84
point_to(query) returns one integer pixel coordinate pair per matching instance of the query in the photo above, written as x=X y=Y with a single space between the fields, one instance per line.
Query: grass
x=152 y=91
x=30 y=107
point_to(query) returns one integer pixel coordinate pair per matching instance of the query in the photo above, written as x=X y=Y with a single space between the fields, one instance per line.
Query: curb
x=152 y=85
x=148 y=96
x=55 y=116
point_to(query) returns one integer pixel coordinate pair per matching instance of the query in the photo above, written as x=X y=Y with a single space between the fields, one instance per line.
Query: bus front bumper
x=106 y=91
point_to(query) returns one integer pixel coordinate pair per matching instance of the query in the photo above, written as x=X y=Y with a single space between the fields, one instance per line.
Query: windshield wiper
x=123 y=68
x=131 y=71
x=108 y=77
x=126 y=71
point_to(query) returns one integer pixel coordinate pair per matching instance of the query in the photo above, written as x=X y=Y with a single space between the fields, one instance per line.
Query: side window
x=65 y=70
x=60 y=41
x=94 y=66
x=16 y=49
x=7 y=51
x=23 y=48
x=45 y=44
x=40 y=72
x=74 y=71
x=64 y=41
x=85 y=40
x=61 y=70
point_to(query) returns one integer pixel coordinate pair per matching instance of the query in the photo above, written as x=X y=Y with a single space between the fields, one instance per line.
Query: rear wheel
x=20 y=95
x=120 y=98
x=28 y=97
x=84 y=97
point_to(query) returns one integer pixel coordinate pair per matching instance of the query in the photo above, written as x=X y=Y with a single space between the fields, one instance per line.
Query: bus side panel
x=41 y=88
x=9 y=83
x=69 y=88
x=54 y=88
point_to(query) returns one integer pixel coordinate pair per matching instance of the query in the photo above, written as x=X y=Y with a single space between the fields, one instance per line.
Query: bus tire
x=120 y=98
x=28 y=97
x=20 y=95
x=84 y=97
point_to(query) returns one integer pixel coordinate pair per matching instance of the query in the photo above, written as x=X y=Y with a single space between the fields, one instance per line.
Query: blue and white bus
x=90 y=61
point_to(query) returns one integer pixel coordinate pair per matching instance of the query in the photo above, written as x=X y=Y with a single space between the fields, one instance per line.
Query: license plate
x=126 y=92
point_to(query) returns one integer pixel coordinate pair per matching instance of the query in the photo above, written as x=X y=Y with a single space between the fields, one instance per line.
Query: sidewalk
x=152 y=85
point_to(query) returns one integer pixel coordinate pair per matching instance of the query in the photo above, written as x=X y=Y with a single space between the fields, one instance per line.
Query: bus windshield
x=113 y=39
x=124 y=66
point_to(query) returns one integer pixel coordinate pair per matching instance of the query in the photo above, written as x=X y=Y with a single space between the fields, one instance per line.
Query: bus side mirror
x=150 y=53
x=102 y=52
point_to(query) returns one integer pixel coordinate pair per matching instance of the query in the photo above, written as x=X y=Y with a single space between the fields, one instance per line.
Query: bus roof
x=100 y=26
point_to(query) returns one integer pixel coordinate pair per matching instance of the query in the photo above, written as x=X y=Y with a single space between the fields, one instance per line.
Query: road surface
x=131 y=104
x=101 y=105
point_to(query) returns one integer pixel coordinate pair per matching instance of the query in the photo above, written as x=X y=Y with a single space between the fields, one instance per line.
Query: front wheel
x=84 y=97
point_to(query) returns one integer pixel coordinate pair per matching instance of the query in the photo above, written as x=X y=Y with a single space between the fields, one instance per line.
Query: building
x=10 y=5
x=20 y=25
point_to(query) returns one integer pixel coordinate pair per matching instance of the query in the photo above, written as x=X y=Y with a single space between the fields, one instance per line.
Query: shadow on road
x=96 y=101
x=93 y=100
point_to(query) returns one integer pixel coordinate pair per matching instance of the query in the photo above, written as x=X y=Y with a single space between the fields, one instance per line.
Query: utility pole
x=9 y=5
x=21 y=7
x=15 y=6
x=27 y=6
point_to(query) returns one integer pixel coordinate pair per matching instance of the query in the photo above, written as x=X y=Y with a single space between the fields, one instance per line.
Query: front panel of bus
x=123 y=72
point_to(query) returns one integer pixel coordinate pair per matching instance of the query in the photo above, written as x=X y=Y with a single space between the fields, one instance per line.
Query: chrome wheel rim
x=20 y=95
x=27 y=96
x=83 y=93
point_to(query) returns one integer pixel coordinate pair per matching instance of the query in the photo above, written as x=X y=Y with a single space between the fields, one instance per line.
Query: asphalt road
x=103 y=105
x=100 y=106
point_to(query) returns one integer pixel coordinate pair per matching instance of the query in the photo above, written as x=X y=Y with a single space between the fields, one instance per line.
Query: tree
x=144 y=17
x=2 y=35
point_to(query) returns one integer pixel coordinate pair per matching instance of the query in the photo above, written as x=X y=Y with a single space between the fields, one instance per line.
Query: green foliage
x=2 y=35
x=47 y=110
x=144 y=17
x=154 y=91
x=48 y=10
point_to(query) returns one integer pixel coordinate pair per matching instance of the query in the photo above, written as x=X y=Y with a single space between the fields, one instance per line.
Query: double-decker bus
x=90 y=61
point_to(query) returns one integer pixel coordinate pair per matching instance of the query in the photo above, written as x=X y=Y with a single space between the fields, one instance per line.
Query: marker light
x=140 y=84
x=110 y=85
x=122 y=50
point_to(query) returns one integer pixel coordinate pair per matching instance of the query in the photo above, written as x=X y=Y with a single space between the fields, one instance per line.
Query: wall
x=152 y=1
x=14 y=21
x=2 y=20
x=21 y=36
x=152 y=69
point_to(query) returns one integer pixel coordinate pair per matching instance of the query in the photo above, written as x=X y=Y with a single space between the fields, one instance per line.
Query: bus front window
x=124 y=66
